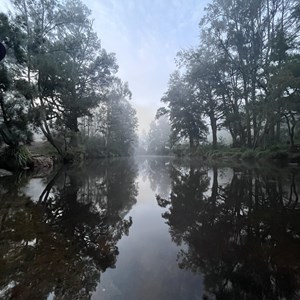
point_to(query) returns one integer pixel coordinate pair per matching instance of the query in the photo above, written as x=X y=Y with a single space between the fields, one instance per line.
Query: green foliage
x=55 y=75
x=181 y=150
x=15 y=114
x=249 y=155
x=74 y=155
x=16 y=157
x=184 y=113
x=121 y=121
x=243 y=76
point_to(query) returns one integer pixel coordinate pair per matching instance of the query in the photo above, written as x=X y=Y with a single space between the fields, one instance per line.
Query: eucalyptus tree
x=15 y=129
x=245 y=34
x=185 y=115
x=82 y=76
x=121 y=121
x=37 y=20
x=285 y=89
x=66 y=68
x=203 y=74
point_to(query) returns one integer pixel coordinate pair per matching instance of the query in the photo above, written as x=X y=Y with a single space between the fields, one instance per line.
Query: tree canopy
x=55 y=75
x=242 y=77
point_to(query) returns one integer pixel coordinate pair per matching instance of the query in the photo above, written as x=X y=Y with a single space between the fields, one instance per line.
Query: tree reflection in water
x=156 y=170
x=63 y=242
x=243 y=236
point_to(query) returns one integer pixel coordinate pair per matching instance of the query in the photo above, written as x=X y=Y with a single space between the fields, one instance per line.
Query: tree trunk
x=213 y=123
x=214 y=188
x=291 y=127
x=248 y=125
x=191 y=140
x=278 y=131
x=74 y=142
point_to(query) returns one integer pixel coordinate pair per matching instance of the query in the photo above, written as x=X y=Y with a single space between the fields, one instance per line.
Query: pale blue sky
x=146 y=35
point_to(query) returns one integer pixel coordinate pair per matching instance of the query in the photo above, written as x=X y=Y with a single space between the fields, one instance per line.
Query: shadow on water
x=240 y=228
x=60 y=243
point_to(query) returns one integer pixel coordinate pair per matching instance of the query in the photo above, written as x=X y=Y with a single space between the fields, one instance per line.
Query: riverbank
x=39 y=155
x=276 y=154
x=42 y=155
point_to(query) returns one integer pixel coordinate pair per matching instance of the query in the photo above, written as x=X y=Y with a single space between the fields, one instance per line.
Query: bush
x=279 y=155
x=236 y=155
x=16 y=157
x=248 y=154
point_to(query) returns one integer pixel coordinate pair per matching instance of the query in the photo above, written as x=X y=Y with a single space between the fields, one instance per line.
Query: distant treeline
x=244 y=76
x=57 y=79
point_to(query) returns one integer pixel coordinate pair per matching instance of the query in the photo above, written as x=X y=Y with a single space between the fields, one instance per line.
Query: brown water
x=151 y=228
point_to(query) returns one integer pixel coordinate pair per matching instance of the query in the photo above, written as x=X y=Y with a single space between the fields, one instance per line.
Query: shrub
x=16 y=157
x=248 y=154
x=279 y=155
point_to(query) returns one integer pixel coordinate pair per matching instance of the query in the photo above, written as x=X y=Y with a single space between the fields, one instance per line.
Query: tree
x=245 y=34
x=111 y=130
x=285 y=88
x=184 y=113
x=203 y=70
x=231 y=75
x=81 y=78
x=66 y=66
x=158 y=138
x=121 y=120
x=15 y=128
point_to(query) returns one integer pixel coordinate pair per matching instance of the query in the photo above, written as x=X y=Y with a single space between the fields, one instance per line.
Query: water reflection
x=238 y=229
x=156 y=170
x=242 y=235
x=60 y=244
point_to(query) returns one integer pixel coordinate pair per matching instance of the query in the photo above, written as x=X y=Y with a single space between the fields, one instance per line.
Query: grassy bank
x=278 y=153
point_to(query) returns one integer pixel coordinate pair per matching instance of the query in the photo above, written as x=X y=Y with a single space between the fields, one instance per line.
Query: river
x=151 y=228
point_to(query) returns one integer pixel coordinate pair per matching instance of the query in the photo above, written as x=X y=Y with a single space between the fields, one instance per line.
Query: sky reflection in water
x=153 y=228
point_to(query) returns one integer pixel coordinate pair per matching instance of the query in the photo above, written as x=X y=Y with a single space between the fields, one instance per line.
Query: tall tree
x=158 y=138
x=121 y=120
x=245 y=33
x=235 y=75
x=186 y=116
x=203 y=75
x=15 y=128
x=66 y=65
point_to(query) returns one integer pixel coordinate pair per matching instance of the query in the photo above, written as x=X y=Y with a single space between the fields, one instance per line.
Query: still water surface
x=151 y=228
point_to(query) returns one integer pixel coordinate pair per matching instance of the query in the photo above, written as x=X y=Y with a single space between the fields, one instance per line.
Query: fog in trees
x=243 y=76
x=55 y=76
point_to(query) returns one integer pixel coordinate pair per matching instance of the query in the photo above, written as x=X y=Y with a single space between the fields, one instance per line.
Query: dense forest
x=243 y=77
x=57 y=80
